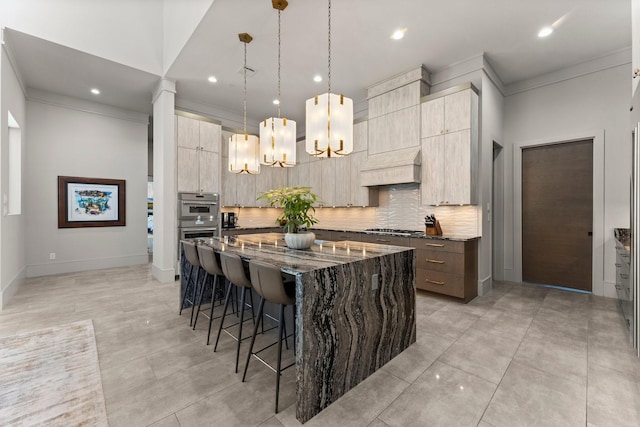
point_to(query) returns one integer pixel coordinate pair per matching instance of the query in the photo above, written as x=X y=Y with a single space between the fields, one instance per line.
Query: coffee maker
x=229 y=220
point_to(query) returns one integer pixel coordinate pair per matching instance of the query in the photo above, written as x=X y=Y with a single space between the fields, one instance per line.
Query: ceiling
x=438 y=34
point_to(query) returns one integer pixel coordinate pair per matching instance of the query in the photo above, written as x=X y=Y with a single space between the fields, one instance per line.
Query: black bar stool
x=234 y=272
x=191 y=254
x=267 y=281
x=211 y=266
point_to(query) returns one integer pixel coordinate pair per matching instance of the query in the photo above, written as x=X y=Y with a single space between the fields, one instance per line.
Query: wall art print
x=90 y=202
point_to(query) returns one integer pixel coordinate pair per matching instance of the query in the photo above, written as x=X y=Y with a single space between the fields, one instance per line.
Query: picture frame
x=91 y=202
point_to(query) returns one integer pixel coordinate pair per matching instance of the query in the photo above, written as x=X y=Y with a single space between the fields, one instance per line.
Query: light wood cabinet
x=198 y=157
x=447 y=267
x=635 y=45
x=449 y=148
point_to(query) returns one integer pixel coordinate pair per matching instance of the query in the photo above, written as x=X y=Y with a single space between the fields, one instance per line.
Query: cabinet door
x=433 y=172
x=264 y=182
x=329 y=190
x=301 y=176
x=188 y=166
x=188 y=132
x=228 y=194
x=343 y=184
x=457 y=111
x=279 y=177
x=210 y=136
x=360 y=133
x=293 y=175
x=457 y=170
x=315 y=179
x=209 y=172
x=246 y=188
x=432 y=118
x=358 y=195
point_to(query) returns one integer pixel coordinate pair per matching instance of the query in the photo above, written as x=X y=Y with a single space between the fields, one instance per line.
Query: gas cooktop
x=392 y=231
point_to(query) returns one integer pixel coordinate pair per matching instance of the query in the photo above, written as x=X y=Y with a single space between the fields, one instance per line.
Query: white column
x=164 y=187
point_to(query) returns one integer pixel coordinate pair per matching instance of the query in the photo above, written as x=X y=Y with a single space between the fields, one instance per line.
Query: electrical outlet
x=52 y=255
x=374 y=281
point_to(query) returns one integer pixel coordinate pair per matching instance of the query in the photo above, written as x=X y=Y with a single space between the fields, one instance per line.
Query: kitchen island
x=355 y=309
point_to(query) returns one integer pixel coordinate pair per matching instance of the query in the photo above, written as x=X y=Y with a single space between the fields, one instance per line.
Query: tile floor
x=521 y=356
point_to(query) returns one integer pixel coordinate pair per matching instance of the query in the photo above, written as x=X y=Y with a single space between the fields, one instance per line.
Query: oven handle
x=189 y=202
x=191 y=229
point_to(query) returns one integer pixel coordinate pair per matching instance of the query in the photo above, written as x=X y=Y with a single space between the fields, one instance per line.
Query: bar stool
x=211 y=266
x=191 y=254
x=267 y=281
x=234 y=272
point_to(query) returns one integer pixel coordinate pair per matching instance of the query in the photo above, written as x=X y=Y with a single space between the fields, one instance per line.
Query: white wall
x=12 y=227
x=596 y=103
x=71 y=141
x=180 y=21
x=130 y=33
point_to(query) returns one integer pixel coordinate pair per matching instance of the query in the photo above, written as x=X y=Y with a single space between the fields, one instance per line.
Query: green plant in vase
x=297 y=204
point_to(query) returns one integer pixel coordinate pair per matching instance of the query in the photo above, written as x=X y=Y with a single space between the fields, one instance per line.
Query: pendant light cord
x=279 y=100
x=245 y=90
x=329 y=74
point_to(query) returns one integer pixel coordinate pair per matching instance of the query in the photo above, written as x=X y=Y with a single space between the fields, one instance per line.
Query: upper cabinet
x=198 y=156
x=635 y=44
x=449 y=149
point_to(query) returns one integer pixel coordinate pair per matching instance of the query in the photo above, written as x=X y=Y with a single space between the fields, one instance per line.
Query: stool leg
x=204 y=285
x=253 y=338
x=280 y=324
x=243 y=292
x=284 y=327
x=253 y=314
x=193 y=296
x=184 y=293
x=216 y=282
x=224 y=313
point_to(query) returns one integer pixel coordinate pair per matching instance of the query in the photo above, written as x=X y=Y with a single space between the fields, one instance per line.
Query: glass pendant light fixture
x=329 y=120
x=244 y=149
x=277 y=134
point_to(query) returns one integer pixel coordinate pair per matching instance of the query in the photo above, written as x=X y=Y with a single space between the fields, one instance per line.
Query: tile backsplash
x=399 y=208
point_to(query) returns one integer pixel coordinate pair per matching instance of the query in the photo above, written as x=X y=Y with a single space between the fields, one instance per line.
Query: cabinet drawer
x=446 y=262
x=323 y=235
x=442 y=283
x=386 y=240
x=438 y=245
x=345 y=235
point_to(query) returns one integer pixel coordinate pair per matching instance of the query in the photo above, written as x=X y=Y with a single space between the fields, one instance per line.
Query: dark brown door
x=557 y=214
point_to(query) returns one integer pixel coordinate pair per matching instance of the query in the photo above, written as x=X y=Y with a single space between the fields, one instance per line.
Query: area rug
x=51 y=377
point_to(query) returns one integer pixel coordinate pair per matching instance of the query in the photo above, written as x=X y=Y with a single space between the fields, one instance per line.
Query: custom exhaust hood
x=395 y=167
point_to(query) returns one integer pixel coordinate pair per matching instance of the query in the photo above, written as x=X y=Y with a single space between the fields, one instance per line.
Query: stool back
x=191 y=253
x=234 y=270
x=208 y=260
x=267 y=281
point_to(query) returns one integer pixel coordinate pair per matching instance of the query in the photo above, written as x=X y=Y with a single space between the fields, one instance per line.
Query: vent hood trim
x=394 y=167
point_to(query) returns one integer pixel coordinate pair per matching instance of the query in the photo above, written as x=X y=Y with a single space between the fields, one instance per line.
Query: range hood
x=394 y=167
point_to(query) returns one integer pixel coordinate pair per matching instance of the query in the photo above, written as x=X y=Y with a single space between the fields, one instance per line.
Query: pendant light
x=244 y=149
x=278 y=135
x=329 y=120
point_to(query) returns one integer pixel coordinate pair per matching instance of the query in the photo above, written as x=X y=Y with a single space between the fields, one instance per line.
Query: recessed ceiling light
x=212 y=79
x=276 y=102
x=545 y=32
x=398 y=34
x=95 y=91
x=317 y=78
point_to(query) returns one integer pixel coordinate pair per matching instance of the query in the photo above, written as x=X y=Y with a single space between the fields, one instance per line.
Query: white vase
x=299 y=240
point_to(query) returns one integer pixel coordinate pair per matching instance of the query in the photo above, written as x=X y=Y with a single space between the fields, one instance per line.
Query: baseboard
x=485 y=286
x=37 y=270
x=163 y=275
x=610 y=290
x=7 y=293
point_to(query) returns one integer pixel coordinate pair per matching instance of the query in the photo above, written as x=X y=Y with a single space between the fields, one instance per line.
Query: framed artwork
x=90 y=202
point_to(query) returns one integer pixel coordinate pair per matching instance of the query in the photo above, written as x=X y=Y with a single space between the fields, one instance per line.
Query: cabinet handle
x=446 y=131
x=382 y=240
x=435 y=261
x=434 y=282
x=624 y=276
x=618 y=287
x=441 y=131
x=435 y=245
x=636 y=73
x=618 y=265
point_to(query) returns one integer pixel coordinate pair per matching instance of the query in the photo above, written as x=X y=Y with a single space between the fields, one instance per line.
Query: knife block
x=434 y=231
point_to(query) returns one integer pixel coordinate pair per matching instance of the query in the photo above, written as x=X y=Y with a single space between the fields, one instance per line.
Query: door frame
x=597 y=248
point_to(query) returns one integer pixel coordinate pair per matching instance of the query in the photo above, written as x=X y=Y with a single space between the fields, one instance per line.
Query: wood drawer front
x=442 y=283
x=438 y=245
x=323 y=235
x=446 y=262
x=345 y=235
x=386 y=240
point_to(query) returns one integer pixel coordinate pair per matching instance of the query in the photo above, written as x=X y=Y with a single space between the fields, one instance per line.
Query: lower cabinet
x=447 y=267
x=623 y=283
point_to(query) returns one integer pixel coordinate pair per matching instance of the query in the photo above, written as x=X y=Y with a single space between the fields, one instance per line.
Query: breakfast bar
x=355 y=309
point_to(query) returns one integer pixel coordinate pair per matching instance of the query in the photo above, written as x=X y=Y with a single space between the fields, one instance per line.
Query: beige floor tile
x=482 y=354
x=530 y=397
x=412 y=362
x=441 y=396
x=272 y=422
x=613 y=398
x=170 y=421
x=378 y=423
x=447 y=324
x=505 y=324
x=120 y=379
